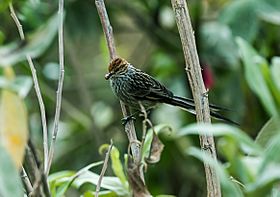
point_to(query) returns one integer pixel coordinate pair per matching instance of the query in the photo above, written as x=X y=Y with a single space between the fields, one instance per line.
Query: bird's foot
x=126 y=119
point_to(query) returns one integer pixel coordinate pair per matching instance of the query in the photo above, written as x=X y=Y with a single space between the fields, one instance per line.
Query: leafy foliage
x=238 y=46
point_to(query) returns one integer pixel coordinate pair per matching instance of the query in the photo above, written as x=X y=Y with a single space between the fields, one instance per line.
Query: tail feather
x=188 y=105
x=213 y=107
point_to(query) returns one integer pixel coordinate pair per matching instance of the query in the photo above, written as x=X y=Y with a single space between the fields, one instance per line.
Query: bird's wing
x=145 y=87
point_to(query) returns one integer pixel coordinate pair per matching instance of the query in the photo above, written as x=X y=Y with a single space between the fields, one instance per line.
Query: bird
x=133 y=86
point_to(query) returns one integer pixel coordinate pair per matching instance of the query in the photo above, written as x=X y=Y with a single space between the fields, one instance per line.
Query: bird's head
x=116 y=67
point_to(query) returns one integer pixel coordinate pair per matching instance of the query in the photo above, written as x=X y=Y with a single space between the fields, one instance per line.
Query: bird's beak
x=108 y=75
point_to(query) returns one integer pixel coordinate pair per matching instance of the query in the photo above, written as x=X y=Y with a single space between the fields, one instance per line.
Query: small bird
x=131 y=86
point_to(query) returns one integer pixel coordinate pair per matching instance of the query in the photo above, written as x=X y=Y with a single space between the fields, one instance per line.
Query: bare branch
x=19 y=26
x=193 y=71
x=36 y=87
x=26 y=181
x=42 y=109
x=36 y=174
x=60 y=85
x=144 y=122
x=107 y=28
x=105 y=165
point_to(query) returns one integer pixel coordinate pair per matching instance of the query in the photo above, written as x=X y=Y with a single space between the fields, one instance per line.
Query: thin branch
x=40 y=184
x=144 y=122
x=36 y=87
x=41 y=187
x=26 y=181
x=60 y=85
x=199 y=92
x=15 y=18
x=108 y=31
x=107 y=28
x=105 y=165
x=42 y=109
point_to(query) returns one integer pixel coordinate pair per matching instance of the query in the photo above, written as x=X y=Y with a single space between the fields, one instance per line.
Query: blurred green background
x=146 y=35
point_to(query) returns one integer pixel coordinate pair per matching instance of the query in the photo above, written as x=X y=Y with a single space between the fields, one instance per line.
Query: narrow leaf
x=13 y=122
x=248 y=145
x=36 y=44
x=117 y=166
x=268 y=132
x=10 y=183
x=230 y=189
x=256 y=69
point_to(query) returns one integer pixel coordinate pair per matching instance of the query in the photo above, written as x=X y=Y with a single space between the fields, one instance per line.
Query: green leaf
x=101 y=194
x=62 y=189
x=268 y=132
x=117 y=166
x=51 y=70
x=268 y=170
x=273 y=80
x=264 y=182
x=217 y=41
x=21 y=84
x=223 y=130
x=229 y=148
x=156 y=149
x=102 y=114
x=149 y=138
x=57 y=179
x=256 y=72
x=241 y=17
x=4 y=5
x=230 y=189
x=275 y=71
x=13 y=122
x=271 y=156
x=63 y=180
x=250 y=161
x=10 y=183
x=60 y=175
x=37 y=43
x=110 y=183
x=2 y=37
x=270 y=13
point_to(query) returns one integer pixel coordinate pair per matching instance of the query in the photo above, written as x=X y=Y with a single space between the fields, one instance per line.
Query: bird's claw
x=126 y=119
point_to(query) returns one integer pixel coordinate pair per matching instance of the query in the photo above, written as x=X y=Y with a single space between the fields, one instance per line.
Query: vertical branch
x=60 y=84
x=36 y=87
x=199 y=92
x=108 y=31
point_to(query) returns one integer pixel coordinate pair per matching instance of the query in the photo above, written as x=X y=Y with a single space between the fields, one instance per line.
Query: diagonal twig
x=18 y=24
x=36 y=87
x=105 y=165
x=42 y=109
x=26 y=181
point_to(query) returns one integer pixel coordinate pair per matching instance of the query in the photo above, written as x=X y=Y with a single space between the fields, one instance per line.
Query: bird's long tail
x=188 y=105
